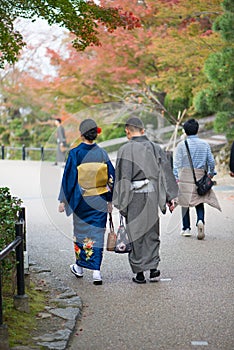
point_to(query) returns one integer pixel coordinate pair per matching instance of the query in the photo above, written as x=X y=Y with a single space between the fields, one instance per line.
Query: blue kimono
x=86 y=188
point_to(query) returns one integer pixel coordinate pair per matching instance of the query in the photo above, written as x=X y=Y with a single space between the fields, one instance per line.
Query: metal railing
x=24 y=151
x=18 y=245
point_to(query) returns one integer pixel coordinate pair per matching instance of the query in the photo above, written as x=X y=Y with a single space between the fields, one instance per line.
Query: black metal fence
x=18 y=245
x=25 y=153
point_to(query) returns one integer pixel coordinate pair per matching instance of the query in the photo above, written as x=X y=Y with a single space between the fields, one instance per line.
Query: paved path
x=190 y=308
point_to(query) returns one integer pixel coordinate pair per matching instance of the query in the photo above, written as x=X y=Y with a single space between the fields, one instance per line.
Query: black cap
x=87 y=125
x=134 y=121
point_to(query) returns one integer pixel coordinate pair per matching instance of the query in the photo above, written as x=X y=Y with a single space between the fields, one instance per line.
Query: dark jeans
x=186 y=217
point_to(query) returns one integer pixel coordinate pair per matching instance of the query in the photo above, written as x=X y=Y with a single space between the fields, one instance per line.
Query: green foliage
x=168 y=52
x=15 y=124
x=9 y=209
x=219 y=69
x=81 y=18
x=227 y=102
x=228 y=5
x=5 y=138
x=20 y=324
x=2 y=129
x=225 y=25
x=224 y=123
x=111 y=132
x=22 y=135
x=74 y=107
x=201 y=103
x=214 y=100
x=11 y=41
x=41 y=134
x=18 y=132
x=176 y=104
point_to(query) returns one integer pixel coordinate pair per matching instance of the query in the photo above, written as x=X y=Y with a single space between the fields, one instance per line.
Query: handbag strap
x=190 y=160
x=111 y=222
x=121 y=222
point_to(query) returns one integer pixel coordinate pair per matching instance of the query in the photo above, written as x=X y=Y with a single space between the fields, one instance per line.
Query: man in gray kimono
x=61 y=141
x=144 y=182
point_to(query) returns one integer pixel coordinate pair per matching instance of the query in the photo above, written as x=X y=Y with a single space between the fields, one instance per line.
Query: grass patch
x=20 y=324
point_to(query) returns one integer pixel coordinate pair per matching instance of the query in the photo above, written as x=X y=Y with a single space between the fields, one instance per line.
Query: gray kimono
x=144 y=181
x=61 y=139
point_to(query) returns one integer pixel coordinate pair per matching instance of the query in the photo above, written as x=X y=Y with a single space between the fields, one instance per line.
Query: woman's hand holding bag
x=111 y=238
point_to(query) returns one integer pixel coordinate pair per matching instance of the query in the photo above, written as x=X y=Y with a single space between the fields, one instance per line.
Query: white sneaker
x=200 y=230
x=97 y=278
x=77 y=270
x=186 y=233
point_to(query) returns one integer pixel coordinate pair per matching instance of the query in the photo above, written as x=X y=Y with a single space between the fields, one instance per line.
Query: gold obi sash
x=93 y=178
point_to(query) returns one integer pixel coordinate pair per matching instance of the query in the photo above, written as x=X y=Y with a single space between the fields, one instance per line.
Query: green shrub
x=5 y=138
x=2 y=129
x=174 y=105
x=201 y=104
x=42 y=134
x=111 y=132
x=224 y=123
x=9 y=209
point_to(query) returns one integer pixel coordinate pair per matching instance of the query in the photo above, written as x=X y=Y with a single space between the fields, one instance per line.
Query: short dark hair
x=59 y=120
x=191 y=127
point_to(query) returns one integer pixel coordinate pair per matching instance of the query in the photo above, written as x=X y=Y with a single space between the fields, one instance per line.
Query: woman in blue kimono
x=86 y=191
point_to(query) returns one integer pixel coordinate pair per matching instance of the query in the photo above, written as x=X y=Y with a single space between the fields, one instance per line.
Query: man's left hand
x=171 y=205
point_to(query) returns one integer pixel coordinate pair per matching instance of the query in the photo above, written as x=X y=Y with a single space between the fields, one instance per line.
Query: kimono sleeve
x=111 y=180
x=70 y=191
x=123 y=176
x=169 y=180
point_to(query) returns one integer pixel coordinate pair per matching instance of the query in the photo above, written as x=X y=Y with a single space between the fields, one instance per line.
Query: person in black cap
x=86 y=191
x=144 y=181
x=203 y=160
